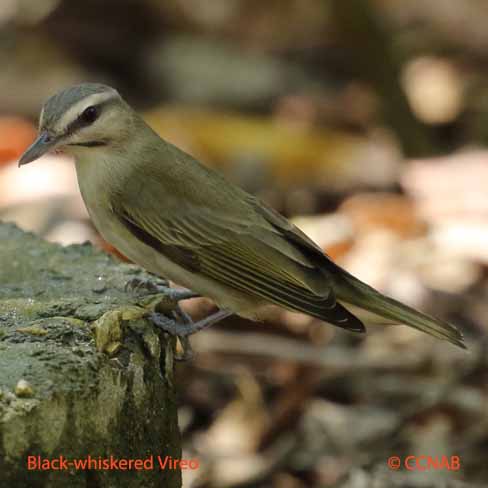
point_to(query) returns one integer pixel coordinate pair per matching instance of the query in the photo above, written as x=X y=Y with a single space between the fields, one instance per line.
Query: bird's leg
x=174 y=294
x=187 y=327
x=183 y=326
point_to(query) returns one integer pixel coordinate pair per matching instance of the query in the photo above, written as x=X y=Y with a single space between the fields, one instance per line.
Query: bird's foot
x=184 y=327
x=136 y=285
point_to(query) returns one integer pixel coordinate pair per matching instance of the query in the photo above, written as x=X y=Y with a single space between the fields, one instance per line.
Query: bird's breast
x=95 y=187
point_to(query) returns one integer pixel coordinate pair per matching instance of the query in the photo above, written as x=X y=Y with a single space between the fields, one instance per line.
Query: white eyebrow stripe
x=73 y=113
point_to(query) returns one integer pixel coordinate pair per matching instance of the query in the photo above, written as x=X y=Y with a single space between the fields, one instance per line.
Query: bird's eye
x=90 y=114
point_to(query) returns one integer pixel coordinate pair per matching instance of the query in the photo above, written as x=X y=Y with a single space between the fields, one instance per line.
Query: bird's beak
x=39 y=147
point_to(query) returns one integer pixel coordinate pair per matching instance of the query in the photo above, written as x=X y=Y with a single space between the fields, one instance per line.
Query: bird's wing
x=247 y=253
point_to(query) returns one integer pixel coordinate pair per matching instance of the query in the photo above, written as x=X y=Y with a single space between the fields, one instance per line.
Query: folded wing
x=248 y=254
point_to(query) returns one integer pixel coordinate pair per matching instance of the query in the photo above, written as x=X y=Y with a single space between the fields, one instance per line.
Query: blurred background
x=365 y=121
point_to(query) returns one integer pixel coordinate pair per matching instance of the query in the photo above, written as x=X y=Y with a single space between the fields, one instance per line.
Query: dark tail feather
x=339 y=316
x=354 y=291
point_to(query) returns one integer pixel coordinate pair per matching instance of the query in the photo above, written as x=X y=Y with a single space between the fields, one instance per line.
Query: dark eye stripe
x=81 y=121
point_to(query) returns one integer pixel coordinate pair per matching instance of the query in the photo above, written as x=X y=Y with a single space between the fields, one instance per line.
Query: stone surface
x=82 y=372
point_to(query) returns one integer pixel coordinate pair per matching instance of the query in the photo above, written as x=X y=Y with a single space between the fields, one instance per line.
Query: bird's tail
x=351 y=290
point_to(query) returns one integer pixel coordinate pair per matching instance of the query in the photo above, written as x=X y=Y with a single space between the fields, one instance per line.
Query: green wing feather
x=247 y=255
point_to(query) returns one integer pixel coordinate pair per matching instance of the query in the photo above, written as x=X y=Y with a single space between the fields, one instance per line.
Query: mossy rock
x=82 y=372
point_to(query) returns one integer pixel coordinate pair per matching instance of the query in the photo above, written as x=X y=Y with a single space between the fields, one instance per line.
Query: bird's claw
x=172 y=327
x=185 y=327
x=180 y=330
x=187 y=351
x=136 y=285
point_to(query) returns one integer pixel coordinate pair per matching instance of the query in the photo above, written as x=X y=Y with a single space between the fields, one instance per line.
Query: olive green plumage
x=179 y=219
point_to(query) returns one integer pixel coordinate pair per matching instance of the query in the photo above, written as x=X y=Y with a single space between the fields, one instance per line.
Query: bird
x=182 y=221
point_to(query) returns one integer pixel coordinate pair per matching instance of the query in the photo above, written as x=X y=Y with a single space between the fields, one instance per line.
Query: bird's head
x=80 y=119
